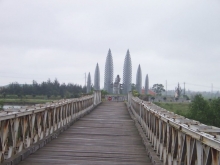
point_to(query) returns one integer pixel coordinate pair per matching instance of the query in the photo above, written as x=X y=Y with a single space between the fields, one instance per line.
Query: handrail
x=176 y=139
x=24 y=127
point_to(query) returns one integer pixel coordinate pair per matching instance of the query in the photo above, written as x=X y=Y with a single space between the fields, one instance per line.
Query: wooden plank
x=105 y=136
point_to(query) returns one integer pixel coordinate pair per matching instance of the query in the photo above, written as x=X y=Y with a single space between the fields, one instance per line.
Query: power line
x=204 y=86
x=196 y=85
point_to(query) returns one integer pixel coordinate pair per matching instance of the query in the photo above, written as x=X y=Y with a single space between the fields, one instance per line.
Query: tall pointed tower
x=108 y=80
x=146 y=85
x=89 y=83
x=127 y=74
x=97 y=78
x=139 y=80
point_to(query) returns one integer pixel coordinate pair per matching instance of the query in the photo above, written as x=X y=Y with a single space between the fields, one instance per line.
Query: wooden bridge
x=106 y=136
x=83 y=131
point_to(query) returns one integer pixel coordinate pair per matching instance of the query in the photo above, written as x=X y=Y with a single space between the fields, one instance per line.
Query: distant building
x=150 y=92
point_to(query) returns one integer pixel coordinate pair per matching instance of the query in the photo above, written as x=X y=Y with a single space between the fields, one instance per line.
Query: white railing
x=24 y=127
x=176 y=139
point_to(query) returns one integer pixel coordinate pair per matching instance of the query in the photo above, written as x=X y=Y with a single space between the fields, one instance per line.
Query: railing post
x=97 y=97
x=140 y=109
x=129 y=98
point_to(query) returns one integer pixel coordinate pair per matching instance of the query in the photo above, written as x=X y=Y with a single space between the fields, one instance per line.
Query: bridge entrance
x=116 y=98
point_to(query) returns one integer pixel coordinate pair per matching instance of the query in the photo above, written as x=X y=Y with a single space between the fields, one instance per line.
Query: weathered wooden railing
x=25 y=127
x=176 y=139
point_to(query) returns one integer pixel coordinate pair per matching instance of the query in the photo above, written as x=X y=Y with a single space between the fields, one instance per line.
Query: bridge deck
x=106 y=136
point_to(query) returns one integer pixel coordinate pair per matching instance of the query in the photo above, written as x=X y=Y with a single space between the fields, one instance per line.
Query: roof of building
x=150 y=92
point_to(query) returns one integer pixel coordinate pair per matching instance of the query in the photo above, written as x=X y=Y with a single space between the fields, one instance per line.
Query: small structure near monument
x=178 y=91
x=117 y=85
x=116 y=96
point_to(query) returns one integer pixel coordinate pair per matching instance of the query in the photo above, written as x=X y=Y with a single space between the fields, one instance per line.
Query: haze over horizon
x=177 y=41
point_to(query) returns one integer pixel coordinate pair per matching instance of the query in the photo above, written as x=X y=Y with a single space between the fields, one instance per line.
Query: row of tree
x=47 y=88
x=205 y=111
x=158 y=88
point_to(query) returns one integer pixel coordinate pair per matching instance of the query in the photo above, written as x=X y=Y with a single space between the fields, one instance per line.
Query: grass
x=28 y=99
x=178 y=108
x=25 y=101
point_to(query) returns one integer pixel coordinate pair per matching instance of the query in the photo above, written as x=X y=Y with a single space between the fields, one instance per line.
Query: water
x=13 y=106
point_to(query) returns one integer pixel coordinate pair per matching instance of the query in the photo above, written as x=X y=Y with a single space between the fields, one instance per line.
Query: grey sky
x=177 y=41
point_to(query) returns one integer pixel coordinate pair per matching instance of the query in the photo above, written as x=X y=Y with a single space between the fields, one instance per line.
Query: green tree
x=152 y=98
x=158 y=88
x=215 y=112
x=103 y=93
x=200 y=110
x=133 y=86
x=48 y=95
x=186 y=97
x=67 y=94
x=47 y=87
x=135 y=93
x=4 y=95
x=1 y=105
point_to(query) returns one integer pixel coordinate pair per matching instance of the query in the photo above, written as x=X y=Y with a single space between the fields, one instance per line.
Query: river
x=14 y=106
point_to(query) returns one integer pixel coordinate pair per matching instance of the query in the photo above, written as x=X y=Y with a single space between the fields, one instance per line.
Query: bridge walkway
x=107 y=136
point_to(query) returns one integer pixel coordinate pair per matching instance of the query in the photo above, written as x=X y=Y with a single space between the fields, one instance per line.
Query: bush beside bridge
x=200 y=109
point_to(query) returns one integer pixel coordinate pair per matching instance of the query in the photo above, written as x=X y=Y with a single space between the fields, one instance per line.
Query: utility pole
x=184 y=89
x=211 y=90
x=166 y=88
x=85 y=79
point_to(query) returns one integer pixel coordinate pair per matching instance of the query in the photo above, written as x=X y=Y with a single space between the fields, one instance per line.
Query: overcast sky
x=177 y=41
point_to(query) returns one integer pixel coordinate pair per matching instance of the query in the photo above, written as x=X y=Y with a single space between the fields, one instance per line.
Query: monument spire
x=139 y=80
x=108 y=80
x=146 y=85
x=127 y=73
x=89 y=83
x=97 y=78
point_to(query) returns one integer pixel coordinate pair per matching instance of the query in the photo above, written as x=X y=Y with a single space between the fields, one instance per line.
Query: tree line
x=205 y=111
x=48 y=88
